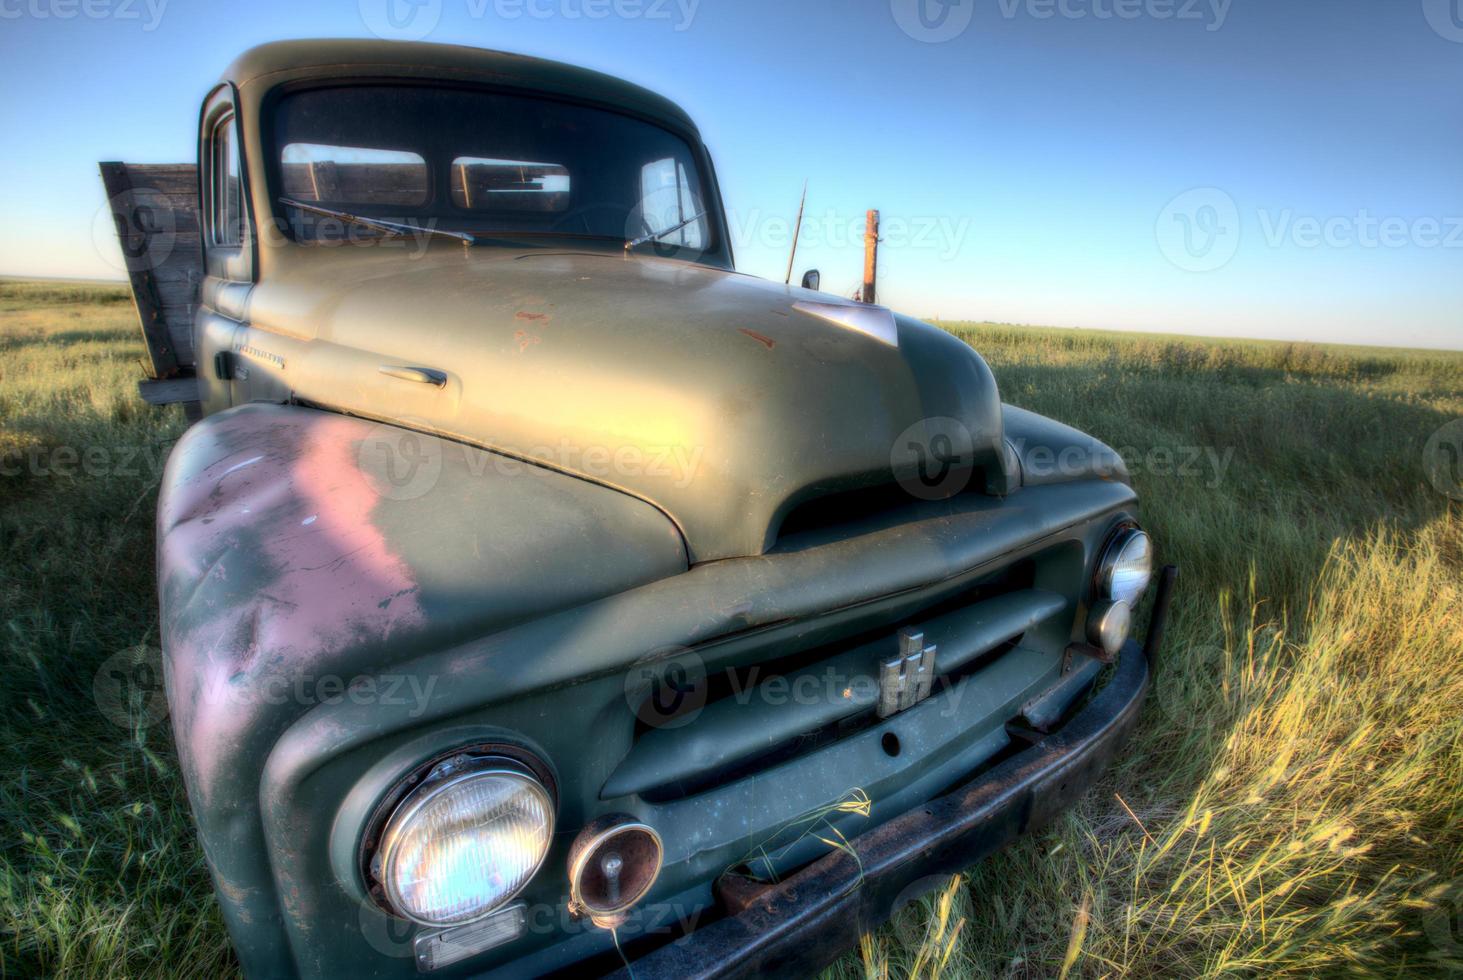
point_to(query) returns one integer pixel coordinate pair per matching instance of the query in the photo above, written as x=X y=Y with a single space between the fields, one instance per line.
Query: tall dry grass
x=1293 y=802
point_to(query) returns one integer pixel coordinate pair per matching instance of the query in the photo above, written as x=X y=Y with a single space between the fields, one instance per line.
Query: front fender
x=301 y=552
x=1048 y=452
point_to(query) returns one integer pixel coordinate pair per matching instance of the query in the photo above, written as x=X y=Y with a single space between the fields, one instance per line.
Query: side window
x=667 y=198
x=227 y=217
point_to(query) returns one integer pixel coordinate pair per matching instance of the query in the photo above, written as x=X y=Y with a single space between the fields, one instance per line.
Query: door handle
x=420 y=375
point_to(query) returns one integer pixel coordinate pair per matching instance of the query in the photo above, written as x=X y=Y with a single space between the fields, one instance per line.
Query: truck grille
x=768 y=712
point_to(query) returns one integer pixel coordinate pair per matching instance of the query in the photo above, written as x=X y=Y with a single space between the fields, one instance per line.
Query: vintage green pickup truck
x=539 y=594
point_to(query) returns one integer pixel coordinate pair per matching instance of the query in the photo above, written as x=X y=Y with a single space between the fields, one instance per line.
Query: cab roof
x=263 y=67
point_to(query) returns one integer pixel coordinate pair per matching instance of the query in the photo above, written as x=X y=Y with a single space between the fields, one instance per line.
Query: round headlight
x=464 y=842
x=1126 y=566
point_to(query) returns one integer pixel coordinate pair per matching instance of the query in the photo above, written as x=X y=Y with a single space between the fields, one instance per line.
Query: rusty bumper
x=800 y=925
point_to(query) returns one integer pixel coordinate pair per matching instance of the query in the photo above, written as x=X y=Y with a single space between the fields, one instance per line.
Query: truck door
x=228 y=256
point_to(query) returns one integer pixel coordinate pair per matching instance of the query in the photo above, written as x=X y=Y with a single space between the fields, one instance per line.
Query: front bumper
x=807 y=920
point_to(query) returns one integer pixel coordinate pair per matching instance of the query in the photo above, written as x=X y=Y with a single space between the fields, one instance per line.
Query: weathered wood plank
x=155 y=211
x=169 y=391
x=134 y=227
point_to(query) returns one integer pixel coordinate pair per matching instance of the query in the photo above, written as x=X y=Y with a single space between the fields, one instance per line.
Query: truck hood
x=724 y=400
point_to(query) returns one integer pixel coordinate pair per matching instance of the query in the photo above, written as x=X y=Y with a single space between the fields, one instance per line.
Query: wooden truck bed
x=154 y=209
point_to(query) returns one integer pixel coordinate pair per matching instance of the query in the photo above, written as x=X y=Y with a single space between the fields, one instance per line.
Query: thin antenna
x=797 y=230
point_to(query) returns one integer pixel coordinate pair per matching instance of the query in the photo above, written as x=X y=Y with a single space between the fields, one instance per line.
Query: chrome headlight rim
x=1123 y=537
x=420 y=785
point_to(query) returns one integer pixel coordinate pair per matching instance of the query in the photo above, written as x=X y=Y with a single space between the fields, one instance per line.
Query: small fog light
x=612 y=865
x=1108 y=624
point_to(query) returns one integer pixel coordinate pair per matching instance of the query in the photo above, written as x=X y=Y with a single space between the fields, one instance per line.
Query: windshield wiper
x=664 y=231
x=390 y=227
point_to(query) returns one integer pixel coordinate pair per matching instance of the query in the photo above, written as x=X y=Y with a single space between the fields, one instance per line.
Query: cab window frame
x=226 y=230
x=223 y=259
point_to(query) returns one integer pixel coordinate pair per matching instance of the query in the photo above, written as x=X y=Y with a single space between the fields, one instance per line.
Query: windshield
x=484 y=163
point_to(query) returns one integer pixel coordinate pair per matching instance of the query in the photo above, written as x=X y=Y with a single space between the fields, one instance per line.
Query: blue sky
x=1262 y=168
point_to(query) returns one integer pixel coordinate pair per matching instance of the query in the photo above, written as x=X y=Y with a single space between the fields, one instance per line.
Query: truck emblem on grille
x=905 y=680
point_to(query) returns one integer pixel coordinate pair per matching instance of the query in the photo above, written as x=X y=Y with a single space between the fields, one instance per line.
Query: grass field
x=1291 y=805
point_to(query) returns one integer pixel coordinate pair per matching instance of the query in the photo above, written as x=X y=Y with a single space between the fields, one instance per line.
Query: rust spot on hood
x=763 y=339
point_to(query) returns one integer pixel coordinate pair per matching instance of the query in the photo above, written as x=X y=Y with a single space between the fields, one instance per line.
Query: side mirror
x=811 y=279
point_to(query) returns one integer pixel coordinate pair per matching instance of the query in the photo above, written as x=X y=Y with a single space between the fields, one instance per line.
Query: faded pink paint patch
x=340 y=574
x=266 y=523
